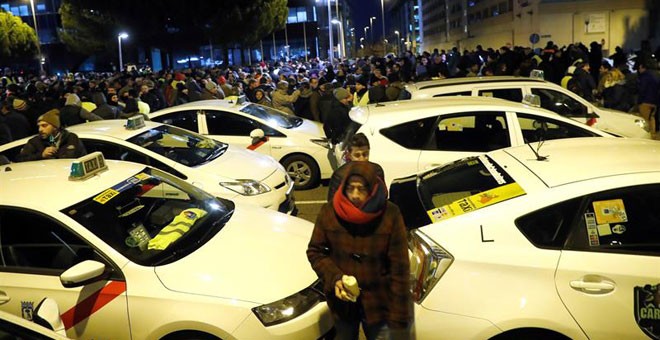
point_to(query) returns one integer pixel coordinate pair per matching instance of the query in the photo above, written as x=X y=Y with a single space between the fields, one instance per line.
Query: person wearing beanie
x=52 y=141
x=282 y=100
x=212 y=91
x=73 y=113
x=337 y=119
x=16 y=119
x=360 y=220
x=361 y=95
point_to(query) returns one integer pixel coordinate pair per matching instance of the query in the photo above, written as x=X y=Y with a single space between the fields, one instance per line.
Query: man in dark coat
x=359 y=236
x=52 y=141
x=337 y=121
x=103 y=109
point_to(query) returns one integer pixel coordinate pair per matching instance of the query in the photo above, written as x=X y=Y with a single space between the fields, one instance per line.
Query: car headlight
x=642 y=123
x=324 y=142
x=290 y=307
x=428 y=261
x=246 y=187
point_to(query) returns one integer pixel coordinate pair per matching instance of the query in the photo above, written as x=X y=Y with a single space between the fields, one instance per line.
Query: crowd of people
x=325 y=90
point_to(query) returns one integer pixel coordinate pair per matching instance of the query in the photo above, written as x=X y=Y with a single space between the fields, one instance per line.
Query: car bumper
x=431 y=324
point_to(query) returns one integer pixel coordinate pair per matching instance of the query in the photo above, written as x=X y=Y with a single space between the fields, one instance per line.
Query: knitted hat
x=19 y=104
x=222 y=80
x=51 y=117
x=341 y=93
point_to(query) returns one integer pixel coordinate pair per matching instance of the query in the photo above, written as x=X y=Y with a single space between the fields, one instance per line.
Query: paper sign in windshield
x=610 y=211
x=475 y=202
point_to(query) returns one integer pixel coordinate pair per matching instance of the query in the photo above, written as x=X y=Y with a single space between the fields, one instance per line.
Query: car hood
x=258 y=256
x=238 y=163
x=310 y=127
x=620 y=123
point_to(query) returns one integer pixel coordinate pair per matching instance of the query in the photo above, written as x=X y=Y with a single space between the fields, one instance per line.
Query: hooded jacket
x=104 y=110
x=73 y=113
x=375 y=252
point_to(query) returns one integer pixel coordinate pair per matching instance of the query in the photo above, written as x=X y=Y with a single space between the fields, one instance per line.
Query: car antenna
x=536 y=151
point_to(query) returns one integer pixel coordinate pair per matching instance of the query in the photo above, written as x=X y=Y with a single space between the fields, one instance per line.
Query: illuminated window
x=23 y=10
x=5 y=7
x=41 y=7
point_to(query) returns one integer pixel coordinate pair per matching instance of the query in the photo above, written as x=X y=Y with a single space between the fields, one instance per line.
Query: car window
x=152 y=218
x=621 y=221
x=121 y=153
x=471 y=131
x=450 y=94
x=272 y=116
x=463 y=186
x=411 y=135
x=549 y=227
x=536 y=128
x=32 y=242
x=514 y=95
x=12 y=154
x=183 y=119
x=229 y=124
x=11 y=331
x=560 y=103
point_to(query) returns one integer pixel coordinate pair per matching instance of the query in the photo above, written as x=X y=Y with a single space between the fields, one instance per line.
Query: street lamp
x=121 y=36
x=371 y=26
x=382 y=14
x=341 y=33
x=365 y=31
x=36 y=31
x=398 y=42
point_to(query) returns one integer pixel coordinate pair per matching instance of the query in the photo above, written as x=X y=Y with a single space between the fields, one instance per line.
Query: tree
x=17 y=39
x=84 y=30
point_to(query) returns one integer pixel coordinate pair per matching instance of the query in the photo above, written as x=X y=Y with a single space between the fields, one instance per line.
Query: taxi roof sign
x=532 y=100
x=87 y=166
x=135 y=122
x=537 y=74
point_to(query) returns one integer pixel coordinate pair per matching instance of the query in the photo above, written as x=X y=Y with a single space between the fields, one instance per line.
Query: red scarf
x=370 y=209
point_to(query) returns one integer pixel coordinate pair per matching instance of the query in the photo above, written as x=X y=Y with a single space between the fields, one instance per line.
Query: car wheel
x=303 y=171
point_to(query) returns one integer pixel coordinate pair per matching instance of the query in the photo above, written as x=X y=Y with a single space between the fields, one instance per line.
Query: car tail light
x=428 y=262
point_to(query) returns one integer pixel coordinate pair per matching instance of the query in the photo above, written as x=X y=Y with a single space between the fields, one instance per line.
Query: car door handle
x=592 y=287
x=4 y=298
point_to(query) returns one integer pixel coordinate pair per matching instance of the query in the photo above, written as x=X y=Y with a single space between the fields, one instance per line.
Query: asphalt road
x=309 y=202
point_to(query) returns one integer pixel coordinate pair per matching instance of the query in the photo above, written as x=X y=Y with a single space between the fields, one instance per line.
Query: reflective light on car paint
x=214 y=206
x=288 y=312
x=206 y=278
x=523 y=302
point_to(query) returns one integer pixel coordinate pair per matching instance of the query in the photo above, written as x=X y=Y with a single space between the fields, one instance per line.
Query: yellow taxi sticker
x=105 y=196
x=475 y=202
x=142 y=176
x=610 y=211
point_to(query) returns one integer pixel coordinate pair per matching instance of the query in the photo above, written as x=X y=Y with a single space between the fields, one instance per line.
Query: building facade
x=495 y=23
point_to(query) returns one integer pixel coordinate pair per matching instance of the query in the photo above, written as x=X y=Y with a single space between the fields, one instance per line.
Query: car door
x=35 y=250
x=565 y=104
x=233 y=128
x=608 y=275
x=464 y=134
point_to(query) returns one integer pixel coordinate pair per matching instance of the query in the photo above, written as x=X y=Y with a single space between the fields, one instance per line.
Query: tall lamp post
x=121 y=36
x=398 y=42
x=36 y=31
x=371 y=27
x=341 y=39
x=382 y=14
x=365 y=31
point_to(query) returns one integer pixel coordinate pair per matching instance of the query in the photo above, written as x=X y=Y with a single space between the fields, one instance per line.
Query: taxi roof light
x=532 y=100
x=537 y=74
x=135 y=122
x=87 y=166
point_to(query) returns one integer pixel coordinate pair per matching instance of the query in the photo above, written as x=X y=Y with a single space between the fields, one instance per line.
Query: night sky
x=362 y=10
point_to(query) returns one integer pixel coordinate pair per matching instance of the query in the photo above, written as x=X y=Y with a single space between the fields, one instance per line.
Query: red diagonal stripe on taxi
x=92 y=303
x=255 y=146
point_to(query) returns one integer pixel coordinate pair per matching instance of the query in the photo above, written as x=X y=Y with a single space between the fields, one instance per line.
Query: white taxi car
x=131 y=252
x=221 y=169
x=552 y=241
x=299 y=144
x=553 y=97
x=407 y=137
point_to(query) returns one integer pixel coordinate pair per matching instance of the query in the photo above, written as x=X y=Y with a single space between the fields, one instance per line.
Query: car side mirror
x=257 y=135
x=82 y=273
x=47 y=314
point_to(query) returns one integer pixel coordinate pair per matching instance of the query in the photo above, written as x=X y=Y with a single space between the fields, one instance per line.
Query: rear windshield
x=275 y=117
x=464 y=186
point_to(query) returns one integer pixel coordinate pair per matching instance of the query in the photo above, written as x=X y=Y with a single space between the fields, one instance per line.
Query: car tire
x=303 y=170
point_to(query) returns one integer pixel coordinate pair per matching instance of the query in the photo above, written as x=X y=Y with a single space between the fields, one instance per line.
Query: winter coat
x=617 y=97
x=374 y=252
x=72 y=113
x=283 y=101
x=68 y=146
x=336 y=121
x=104 y=110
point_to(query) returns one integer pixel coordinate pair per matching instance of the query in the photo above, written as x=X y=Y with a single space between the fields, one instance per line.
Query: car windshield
x=272 y=116
x=153 y=218
x=182 y=146
x=464 y=186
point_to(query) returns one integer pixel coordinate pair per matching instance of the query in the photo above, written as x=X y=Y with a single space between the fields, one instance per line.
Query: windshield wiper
x=217 y=152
